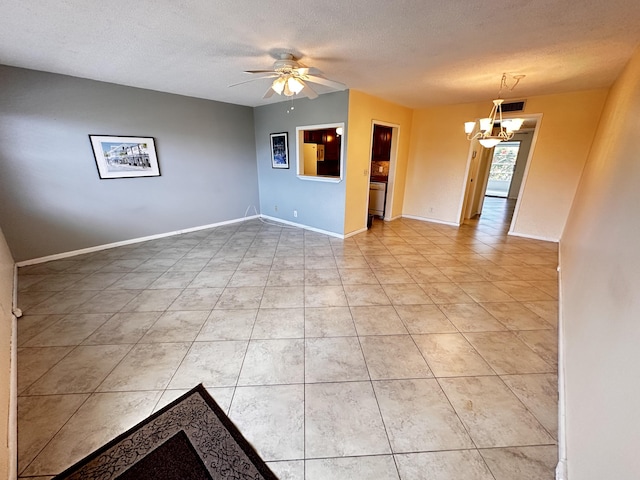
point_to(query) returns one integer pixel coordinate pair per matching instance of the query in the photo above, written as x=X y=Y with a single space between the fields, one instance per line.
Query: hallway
x=496 y=216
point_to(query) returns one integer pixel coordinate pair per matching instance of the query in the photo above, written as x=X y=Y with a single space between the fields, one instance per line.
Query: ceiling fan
x=291 y=78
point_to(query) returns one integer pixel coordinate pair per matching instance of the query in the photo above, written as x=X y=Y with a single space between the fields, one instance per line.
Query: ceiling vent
x=513 y=106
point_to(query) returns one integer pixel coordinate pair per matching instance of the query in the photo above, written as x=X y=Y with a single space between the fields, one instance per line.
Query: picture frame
x=123 y=156
x=279 y=150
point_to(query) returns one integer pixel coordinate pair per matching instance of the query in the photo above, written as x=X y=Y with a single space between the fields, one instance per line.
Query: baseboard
x=356 y=232
x=304 y=227
x=561 y=469
x=107 y=246
x=533 y=237
x=430 y=220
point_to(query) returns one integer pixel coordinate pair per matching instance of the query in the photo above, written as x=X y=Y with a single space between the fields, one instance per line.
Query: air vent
x=513 y=106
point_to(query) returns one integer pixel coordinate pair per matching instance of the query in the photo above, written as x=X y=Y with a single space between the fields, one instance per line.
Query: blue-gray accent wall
x=320 y=205
x=51 y=198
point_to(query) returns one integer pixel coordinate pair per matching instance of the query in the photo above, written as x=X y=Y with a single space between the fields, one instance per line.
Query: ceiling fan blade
x=259 y=71
x=254 y=79
x=269 y=93
x=309 y=92
x=325 y=82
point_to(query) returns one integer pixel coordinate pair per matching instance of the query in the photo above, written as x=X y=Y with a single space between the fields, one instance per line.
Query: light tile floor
x=411 y=351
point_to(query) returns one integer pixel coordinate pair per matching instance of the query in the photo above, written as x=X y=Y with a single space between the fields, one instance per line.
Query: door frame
x=393 y=160
x=474 y=150
x=527 y=166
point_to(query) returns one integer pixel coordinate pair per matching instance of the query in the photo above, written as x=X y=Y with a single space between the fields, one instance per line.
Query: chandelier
x=485 y=133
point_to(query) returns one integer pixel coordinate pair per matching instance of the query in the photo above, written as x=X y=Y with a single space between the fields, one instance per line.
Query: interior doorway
x=383 y=156
x=509 y=174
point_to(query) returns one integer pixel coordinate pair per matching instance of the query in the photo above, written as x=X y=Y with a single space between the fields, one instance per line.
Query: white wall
x=6 y=298
x=600 y=291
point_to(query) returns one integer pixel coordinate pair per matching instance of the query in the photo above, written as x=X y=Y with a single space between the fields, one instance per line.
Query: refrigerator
x=313 y=153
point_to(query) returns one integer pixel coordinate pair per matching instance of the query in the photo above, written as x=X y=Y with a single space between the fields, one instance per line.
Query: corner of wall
x=8 y=364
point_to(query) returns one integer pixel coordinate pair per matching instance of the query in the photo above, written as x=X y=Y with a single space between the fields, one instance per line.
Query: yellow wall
x=6 y=303
x=438 y=161
x=567 y=129
x=439 y=154
x=363 y=109
x=599 y=284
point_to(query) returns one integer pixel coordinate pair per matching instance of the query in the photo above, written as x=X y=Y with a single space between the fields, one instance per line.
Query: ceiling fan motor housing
x=285 y=64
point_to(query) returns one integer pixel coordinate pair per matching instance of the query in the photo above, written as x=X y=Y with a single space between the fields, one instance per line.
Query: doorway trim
x=516 y=210
x=473 y=147
x=395 y=146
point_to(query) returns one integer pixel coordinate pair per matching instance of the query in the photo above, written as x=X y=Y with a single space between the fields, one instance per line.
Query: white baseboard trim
x=304 y=227
x=561 y=468
x=107 y=246
x=533 y=237
x=430 y=220
x=391 y=219
x=356 y=232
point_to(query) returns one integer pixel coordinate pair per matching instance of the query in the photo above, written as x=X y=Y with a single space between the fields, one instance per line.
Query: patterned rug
x=191 y=438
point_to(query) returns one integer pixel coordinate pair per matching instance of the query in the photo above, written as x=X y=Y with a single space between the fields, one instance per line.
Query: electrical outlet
x=295 y=213
x=275 y=208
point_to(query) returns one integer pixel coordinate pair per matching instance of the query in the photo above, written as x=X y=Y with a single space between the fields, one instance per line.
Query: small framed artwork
x=279 y=150
x=124 y=156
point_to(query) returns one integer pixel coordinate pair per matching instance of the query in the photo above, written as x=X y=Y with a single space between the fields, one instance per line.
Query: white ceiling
x=412 y=52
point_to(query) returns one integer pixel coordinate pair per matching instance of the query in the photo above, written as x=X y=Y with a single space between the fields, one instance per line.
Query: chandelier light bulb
x=489 y=142
x=468 y=127
x=486 y=124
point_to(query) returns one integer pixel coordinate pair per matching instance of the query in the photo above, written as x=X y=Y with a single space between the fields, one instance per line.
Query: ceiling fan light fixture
x=295 y=85
x=278 y=85
x=290 y=78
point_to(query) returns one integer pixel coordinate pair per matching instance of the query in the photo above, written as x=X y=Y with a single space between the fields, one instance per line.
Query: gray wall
x=320 y=205
x=51 y=198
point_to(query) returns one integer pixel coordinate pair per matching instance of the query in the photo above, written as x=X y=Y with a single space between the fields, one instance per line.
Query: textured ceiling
x=414 y=53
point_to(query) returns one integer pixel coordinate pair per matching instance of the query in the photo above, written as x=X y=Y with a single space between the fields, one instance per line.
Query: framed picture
x=125 y=157
x=279 y=150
